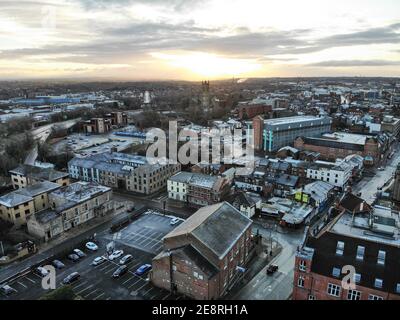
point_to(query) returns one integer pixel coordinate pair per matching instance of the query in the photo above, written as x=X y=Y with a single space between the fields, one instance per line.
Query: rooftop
x=39 y=173
x=288 y=120
x=80 y=191
x=217 y=226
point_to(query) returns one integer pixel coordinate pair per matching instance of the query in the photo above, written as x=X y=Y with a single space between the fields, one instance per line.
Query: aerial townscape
x=132 y=188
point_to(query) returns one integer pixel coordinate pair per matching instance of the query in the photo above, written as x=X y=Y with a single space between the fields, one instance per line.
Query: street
x=278 y=286
x=368 y=186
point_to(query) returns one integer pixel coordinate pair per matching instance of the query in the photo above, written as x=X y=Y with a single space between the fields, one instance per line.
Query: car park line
x=30 y=279
x=167 y=296
x=22 y=284
x=83 y=290
x=151 y=288
x=100 y=295
x=87 y=295
x=80 y=284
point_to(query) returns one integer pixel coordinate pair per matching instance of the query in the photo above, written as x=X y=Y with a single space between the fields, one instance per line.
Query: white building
x=177 y=186
x=337 y=174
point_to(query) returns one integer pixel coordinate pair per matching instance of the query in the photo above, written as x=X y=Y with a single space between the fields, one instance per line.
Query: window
x=195 y=274
x=18 y=215
x=360 y=253
x=311 y=297
x=378 y=283
x=398 y=288
x=333 y=290
x=300 y=282
x=374 y=297
x=339 y=248
x=302 y=265
x=353 y=295
x=336 y=272
x=381 y=257
x=357 y=278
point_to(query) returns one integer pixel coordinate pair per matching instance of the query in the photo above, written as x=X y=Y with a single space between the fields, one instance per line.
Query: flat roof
x=287 y=120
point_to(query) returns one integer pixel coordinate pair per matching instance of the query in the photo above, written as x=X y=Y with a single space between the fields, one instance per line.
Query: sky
x=193 y=40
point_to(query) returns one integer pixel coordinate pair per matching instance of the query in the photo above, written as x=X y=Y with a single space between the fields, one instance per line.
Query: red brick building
x=340 y=145
x=201 y=256
x=365 y=239
x=249 y=111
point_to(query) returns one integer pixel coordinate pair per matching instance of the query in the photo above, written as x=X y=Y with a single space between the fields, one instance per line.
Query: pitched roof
x=39 y=173
x=218 y=227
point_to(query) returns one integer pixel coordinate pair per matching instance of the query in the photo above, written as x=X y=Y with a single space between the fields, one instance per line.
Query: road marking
x=80 y=285
x=167 y=296
x=133 y=284
x=83 y=290
x=91 y=293
x=142 y=286
x=100 y=295
x=30 y=280
x=22 y=284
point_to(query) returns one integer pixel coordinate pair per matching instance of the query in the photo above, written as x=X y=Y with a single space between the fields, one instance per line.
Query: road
x=280 y=285
x=41 y=134
x=368 y=186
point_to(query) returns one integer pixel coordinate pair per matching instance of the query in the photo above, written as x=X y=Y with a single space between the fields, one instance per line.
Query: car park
x=174 y=221
x=73 y=257
x=92 y=246
x=71 y=278
x=143 y=269
x=79 y=253
x=58 y=264
x=120 y=271
x=7 y=290
x=99 y=260
x=126 y=259
x=115 y=255
x=40 y=271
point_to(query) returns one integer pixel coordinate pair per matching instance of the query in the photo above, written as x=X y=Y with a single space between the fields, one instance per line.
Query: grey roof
x=38 y=188
x=195 y=179
x=287 y=180
x=295 y=122
x=318 y=190
x=13 y=199
x=182 y=177
x=218 y=227
x=39 y=173
x=80 y=191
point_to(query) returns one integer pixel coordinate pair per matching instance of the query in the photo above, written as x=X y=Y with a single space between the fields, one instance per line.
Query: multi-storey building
x=198 y=189
x=26 y=174
x=97 y=125
x=123 y=171
x=70 y=207
x=18 y=205
x=341 y=145
x=272 y=134
x=364 y=241
x=203 y=256
x=337 y=174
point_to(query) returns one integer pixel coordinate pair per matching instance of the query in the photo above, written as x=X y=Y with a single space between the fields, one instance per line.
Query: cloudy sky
x=191 y=39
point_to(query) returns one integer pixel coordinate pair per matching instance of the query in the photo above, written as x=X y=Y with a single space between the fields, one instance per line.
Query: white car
x=174 y=221
x=92 y=246
x=381 y=169
x=115 y=255
x=40 y=271
x=98 y=260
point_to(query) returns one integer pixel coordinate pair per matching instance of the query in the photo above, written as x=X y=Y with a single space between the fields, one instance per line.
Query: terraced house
x=122 y=171
x=17 y=206
x=70 y=207
x=25 y=175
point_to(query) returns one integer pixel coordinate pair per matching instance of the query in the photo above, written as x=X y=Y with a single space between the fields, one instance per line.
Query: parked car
x=272 y=269
x=381 y=169
x=131 y=209
x=116 y=254
x=71 y=278
x=58 y=264
x=92 y=246
x=126 y=259
x=7 y=290
x=120 y=271
x=98 y=260
x=73 y=257
x=79 y=253
x=174 y=221
x=40 y=271
x=143 y=269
